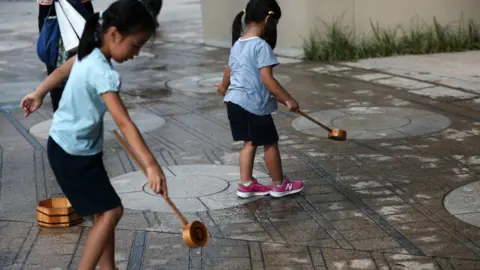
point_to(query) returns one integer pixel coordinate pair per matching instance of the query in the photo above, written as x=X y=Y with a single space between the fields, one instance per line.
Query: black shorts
x=246 y=126
x=83 y=180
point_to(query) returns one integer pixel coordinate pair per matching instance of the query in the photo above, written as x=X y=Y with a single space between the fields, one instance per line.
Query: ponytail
x=89 y=41
x=237 y=27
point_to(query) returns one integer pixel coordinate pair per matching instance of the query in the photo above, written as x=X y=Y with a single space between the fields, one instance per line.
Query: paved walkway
x=400 y=193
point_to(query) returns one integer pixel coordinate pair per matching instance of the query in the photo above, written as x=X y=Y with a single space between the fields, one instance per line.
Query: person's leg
x=107 y=260
x=265 y=133
x=99 y=239
x=274 y=163
x=42 y=14
x=249 y=186
x=89 y=6
x=56 y=95
x=247 y=156
x=239 y=125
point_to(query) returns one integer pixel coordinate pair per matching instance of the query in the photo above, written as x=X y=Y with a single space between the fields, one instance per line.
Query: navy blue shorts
x=83 y=180
x=249 y=127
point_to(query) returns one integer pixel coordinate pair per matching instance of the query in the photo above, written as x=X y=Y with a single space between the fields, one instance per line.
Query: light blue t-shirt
x=246 y=88
x=78 y=122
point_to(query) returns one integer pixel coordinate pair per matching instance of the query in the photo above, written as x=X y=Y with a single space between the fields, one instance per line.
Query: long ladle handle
x=142 y=168
x=307 y=116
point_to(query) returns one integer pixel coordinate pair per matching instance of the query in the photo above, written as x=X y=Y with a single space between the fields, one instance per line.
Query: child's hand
x=30 y=103
x=292 y=105
x=221 y=89
x=156 y=180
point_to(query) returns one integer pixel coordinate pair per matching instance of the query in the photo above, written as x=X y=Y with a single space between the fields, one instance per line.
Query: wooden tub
x=57 y=212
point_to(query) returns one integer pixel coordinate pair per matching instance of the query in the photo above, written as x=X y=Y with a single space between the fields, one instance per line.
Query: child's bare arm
x=223 y=86
x=57 y=77
x=273 y=85
x=276 y=89
x=32 y=101
x=128 y=128
x=226 y=77
x=156 y=177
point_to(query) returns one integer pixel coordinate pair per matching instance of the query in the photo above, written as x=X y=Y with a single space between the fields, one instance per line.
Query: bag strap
x=51 y=6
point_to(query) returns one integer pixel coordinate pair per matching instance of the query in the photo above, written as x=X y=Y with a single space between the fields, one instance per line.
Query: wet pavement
x=400 y=193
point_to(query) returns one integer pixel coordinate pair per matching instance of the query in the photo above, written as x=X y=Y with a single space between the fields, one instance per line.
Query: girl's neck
x=106 y=53
x=253 y=30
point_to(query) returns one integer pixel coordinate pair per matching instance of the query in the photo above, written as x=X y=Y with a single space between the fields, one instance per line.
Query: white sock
x=285 y=179
x=247 y=184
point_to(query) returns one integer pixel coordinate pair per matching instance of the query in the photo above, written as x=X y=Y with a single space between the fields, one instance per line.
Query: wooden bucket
x=57 y=212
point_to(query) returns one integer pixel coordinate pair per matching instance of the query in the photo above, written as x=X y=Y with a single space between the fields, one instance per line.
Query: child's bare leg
x=107 y=260
x=99 y=238
x=274 y=163
x=247 y=157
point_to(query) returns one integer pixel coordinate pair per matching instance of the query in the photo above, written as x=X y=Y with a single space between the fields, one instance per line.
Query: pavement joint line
x=31 y=248
x=175 y=162
x=197 y=134
x=250 y=256
x=23 y=131
x=455 y=233
x=144 y=214
x=40 y=179
x=162 y=140
x=399 y=76
x=23 y=244
x=289 y=244
x=379 y=220
x=190 y=131
x=352 y=140
x=1 y=170
x=137 y=251
x=5 y=107
x=82 y=231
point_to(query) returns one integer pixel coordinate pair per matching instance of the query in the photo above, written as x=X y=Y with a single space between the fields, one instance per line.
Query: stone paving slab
x=370 y=202
x=167 y=251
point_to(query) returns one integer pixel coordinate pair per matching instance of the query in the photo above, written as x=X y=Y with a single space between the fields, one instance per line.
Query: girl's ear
x=114 y=35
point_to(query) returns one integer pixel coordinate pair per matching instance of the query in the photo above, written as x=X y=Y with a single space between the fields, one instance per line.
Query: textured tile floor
x=370 y=202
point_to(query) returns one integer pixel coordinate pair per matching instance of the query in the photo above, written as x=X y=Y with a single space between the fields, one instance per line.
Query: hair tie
x=244 y=11
x=100 y=14
x=270 y=13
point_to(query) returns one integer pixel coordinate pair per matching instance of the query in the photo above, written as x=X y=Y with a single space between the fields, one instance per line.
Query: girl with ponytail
x=76 y=137
x=248 y=85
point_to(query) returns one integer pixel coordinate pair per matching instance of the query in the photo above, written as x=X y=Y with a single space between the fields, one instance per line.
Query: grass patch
x=339 y=43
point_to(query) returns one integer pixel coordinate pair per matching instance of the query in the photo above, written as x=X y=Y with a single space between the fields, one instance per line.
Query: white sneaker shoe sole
x=248 y=195
x=277 y=194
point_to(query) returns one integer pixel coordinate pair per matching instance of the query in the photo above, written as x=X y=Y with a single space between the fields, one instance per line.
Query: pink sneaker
x=288 y=187
x=255 y=188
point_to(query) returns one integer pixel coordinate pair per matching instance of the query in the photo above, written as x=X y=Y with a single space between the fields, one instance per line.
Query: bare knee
x=248 y=146
x=112 y=215
x=269 y=147
x=115 y=213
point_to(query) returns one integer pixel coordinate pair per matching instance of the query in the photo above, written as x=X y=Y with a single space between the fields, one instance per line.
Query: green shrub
x=339 y=43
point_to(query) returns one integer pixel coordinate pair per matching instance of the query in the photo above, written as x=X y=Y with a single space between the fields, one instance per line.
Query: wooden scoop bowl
x=333 y=133
x=195 y=234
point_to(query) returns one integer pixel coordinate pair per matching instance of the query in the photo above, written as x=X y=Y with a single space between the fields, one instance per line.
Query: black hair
x=256 y=12
x=128 y=16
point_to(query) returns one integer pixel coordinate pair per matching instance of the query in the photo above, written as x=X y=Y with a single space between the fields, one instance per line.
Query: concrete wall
x=302 y=16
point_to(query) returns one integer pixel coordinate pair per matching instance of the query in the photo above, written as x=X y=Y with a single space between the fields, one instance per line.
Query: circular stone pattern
x=192 y=188
x=145 y=122
x=364 y=123
x=464 y=203
x=199 y=186
x=205 y=83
